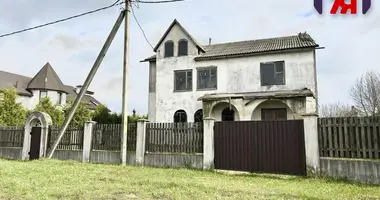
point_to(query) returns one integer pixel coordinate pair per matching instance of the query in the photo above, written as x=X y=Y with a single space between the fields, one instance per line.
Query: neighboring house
x=45 y=83
x=263 y=79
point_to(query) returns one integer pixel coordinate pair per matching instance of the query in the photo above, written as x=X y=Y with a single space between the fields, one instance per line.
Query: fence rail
x=352 y=137
x=174 y=137
x=71 y=140
x=108 y=137
x=11 y=136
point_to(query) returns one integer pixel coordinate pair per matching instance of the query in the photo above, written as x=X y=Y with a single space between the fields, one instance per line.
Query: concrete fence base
x=364 y=171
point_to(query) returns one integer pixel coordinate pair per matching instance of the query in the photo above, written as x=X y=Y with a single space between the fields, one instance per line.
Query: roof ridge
x=269 y=38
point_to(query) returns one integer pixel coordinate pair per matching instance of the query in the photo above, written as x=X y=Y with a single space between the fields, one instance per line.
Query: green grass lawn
x=52 y=179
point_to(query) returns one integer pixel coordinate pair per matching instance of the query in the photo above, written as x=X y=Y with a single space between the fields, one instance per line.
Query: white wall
x=31 y=102
x=233 y=75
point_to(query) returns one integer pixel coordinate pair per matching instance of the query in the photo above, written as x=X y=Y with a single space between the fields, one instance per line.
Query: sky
x=71 y=47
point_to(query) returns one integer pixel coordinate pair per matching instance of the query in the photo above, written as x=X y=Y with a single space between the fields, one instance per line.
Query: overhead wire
x=142 y=30
x=160 y=1
x=116 y=3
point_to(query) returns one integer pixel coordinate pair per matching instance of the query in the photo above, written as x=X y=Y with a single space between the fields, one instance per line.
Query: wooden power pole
x=125 y=85
x=88 y=80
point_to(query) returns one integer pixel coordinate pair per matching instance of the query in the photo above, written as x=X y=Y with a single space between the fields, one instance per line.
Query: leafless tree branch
x=365 y=93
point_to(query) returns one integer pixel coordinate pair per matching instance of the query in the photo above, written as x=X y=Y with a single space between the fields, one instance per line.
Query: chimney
x=78 y=88
x=209 y=41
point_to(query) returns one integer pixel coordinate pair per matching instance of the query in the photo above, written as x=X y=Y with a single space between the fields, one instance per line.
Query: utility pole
x=125 y=85
x=88 y=80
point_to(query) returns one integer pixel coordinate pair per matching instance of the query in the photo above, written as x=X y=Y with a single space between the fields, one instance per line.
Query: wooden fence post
x=87 y=140
x=208 y=143
x=140 y=141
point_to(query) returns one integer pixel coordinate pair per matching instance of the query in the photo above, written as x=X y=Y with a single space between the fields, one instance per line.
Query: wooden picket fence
x=174 y=137
x=11 y=136
x=107 y=137
x=352 y=137
x=71 y=140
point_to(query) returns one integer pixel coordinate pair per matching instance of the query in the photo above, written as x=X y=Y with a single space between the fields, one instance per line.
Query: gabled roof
x=46 y=79
x=249 y=47
x=92 y=103
x=15 y=81
x=183 y=29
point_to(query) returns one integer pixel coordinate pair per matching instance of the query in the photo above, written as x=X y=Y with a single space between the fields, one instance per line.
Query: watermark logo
x=344 y=6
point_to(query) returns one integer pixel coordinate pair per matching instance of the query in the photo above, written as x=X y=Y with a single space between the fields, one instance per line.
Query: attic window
x=182 y=47
x=169 y=49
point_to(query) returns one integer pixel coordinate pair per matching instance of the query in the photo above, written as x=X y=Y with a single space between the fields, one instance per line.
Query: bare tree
x=337 y=110
x=365 y=93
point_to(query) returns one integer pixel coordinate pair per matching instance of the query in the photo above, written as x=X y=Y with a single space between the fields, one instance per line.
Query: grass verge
x=53 y=179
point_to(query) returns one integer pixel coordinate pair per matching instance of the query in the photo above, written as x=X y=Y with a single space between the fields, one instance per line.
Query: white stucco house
x=261 y=79
x=46 y=83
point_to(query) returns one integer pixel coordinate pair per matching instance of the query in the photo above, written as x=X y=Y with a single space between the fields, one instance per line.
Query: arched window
x=198 y=116
x=228 y=114
x=169 y=49
x=182 y=47
x=180 y=116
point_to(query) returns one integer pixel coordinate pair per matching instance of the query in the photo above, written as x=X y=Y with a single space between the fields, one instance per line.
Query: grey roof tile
x=15 y=81
x=46 y=79
x=302 y=40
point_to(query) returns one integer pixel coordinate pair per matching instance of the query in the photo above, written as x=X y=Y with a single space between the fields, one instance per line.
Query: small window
x=272 y=73
x=59 y=98
x=43 y=94
x=271 y=114
x=169 y=49
x=228 y=115
x=183 y=80
x=180 y=116
x=207 y=78
x=198 y=116
x=182 y=48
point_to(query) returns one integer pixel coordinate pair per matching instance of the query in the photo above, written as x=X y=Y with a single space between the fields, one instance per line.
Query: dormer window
x=169 y=49
x=182 y=47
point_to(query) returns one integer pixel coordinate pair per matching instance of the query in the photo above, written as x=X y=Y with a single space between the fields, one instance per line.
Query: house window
x=271 y=114
x=43 y=94
x=198 y=116
x=182 y=48
x=180 y=116
x=228 y=114
x=59 y=98
x=169 y=49
x=272 y=73
x=183 y=80
x=207 y=78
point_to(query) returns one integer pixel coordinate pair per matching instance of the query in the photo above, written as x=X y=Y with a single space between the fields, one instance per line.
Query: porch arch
x=217 y=109
x=36 y=119
x=270 y=104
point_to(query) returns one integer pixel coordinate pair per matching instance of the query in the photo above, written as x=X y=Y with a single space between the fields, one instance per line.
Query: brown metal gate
x=276 y=147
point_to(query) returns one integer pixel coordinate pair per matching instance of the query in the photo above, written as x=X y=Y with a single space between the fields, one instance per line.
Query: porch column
x=87 y=140
x=208 y=143
x=140 y=141
x=311 y=142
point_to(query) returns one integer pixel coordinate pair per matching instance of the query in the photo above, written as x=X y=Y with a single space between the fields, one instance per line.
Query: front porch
x=271 y=105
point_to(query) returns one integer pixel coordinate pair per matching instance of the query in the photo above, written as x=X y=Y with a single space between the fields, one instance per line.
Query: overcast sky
x=71 y=47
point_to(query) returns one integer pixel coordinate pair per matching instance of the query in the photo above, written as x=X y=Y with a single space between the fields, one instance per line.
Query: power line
x=142 y=30
x=62 y=20
x=161 y=1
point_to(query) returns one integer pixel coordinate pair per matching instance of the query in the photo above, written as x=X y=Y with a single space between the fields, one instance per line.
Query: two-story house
x=46 y=83
x=263 y=79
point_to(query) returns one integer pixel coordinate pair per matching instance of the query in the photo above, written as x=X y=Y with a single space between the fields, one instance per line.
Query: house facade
x=46 y=83
x=264 y=79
